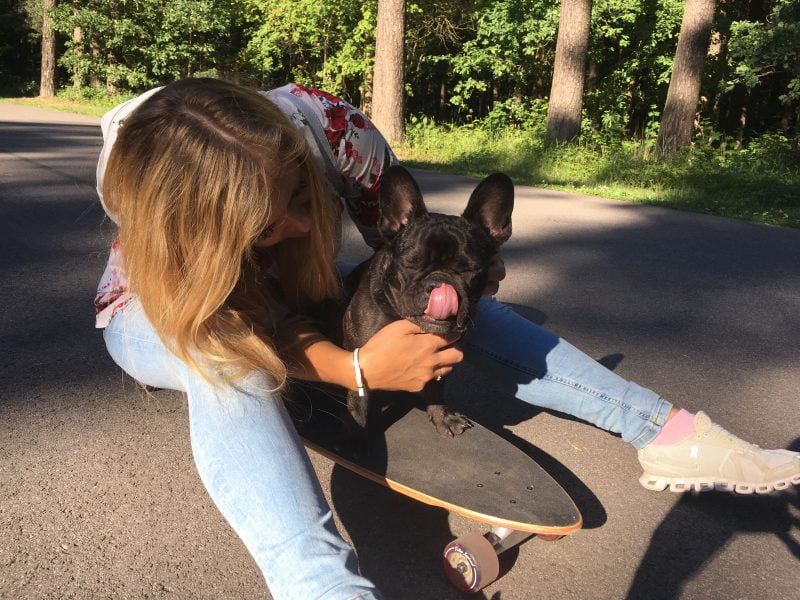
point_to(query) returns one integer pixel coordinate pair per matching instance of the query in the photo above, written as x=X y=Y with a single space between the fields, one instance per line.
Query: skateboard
x=478 y=475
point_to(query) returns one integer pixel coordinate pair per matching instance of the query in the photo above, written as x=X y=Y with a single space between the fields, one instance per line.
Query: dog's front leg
x=446 y=422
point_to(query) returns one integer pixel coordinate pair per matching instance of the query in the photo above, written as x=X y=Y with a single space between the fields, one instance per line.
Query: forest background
x=477 y=83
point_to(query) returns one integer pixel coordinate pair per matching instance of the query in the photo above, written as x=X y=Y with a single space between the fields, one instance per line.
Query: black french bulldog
x=431 y=272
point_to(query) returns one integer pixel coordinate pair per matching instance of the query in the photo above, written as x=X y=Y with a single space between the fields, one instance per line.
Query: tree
x=388 y=81
x=20 y=48
x=325 y=45
x=507 y=60
x=566 y=92
x=764 y=49
x=47 y=83
x=677 y=120
x=137 y=44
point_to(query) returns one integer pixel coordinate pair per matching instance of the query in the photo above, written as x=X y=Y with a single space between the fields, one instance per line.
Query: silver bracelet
x=362 y=390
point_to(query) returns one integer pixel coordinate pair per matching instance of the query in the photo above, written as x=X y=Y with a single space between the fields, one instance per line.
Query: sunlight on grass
x=80 y=102
x=63 y=105
x=759 y=184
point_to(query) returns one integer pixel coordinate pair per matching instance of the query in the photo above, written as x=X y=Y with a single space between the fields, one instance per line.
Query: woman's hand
x=497 y=272
x=401 y=357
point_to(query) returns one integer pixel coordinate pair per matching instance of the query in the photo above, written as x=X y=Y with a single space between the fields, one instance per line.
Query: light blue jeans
x=256 y=470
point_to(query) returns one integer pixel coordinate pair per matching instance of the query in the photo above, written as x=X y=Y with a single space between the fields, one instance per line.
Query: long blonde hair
x=190 y=180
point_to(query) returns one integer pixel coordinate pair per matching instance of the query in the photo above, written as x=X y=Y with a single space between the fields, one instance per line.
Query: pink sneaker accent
x=677 y=429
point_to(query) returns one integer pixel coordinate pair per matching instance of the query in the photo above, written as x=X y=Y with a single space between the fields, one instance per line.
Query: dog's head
x=440 y=263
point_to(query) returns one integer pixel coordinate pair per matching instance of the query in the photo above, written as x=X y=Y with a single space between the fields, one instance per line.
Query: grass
x=73 y=102
x=759 y=184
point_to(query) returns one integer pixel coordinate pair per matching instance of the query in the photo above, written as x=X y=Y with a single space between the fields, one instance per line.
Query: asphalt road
x=99 y=497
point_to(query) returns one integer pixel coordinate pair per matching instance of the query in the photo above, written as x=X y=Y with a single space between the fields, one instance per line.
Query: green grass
x=81 y=102
x=759 y=184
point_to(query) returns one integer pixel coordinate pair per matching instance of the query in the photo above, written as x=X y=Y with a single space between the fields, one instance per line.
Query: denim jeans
x=256 y=470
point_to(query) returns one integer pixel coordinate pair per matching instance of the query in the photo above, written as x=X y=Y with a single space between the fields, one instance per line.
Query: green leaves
x=137 y=44
x=766 y=51
x=513 y=47
x=327 y=45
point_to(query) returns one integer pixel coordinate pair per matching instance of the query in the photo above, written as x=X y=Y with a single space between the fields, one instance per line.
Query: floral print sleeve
x=353 y=152
x=112 y=291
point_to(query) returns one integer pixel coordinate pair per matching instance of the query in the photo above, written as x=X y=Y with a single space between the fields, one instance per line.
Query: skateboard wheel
x=471 y=563
x=549 y=537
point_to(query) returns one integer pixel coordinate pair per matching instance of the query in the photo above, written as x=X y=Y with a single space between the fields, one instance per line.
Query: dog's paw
x=452 y=424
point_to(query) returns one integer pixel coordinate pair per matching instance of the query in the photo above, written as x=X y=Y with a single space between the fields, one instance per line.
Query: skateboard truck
x=472 y=561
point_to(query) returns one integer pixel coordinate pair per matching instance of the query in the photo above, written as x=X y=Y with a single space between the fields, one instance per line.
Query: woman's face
x=290 y=216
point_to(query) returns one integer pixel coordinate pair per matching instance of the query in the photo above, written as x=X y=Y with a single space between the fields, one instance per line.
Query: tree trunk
x=566 y=91
x=111 y=81
x=94 y=77
x=47 y=83
x=742 y=122
x=77 y=38
x=677 y=120
x=388 y=81
x=366 y=92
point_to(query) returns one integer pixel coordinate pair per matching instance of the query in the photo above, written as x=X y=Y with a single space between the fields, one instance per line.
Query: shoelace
x=719 y=432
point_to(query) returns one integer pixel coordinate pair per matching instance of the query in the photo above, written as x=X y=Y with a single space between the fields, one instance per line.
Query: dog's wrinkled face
x=439 y=270
x=440 y=262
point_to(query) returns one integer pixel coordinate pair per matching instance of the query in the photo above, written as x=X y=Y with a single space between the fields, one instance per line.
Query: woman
x=228 y=203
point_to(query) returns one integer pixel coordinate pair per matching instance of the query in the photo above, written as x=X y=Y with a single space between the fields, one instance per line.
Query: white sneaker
x=712 y=458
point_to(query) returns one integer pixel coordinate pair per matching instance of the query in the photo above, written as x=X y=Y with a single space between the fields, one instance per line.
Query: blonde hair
x=190 y=180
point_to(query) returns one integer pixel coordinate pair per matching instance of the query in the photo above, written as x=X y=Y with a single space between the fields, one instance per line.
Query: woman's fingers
x=449 y=356
x=440 y=372
x=400 y=356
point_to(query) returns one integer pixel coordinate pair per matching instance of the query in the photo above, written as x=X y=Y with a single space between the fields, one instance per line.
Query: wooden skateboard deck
x=478 y=474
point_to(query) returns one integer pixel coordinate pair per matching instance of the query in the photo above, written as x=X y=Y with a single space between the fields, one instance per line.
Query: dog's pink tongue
x=443 y=302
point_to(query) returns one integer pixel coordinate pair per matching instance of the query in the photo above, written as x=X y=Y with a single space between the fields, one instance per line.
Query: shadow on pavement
x=699 y=526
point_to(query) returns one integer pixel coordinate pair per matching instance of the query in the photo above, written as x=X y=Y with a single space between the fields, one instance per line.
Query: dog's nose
x=432 y=285
x=436 y=279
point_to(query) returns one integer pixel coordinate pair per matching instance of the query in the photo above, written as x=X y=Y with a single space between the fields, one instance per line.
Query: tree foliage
x=311 y=42
x=486 y=62
x=135 y=44
x=20 y=35
x=510 y=54
x=769 y=51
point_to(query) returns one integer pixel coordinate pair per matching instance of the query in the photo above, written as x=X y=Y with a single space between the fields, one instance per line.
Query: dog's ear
x=490 y=205
x=400 y=201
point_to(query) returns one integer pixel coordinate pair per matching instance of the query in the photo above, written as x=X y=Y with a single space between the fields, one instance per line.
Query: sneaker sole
x=705 y=484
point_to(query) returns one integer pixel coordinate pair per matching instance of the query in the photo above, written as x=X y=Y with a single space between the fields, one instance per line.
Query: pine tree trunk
x=77 y=39
x=677 y=120
x=47 y=83
x=566 y=92
x=111 y=83
x=387 y=86
x=742 y=125
x=366 y=93
x=94 y=77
